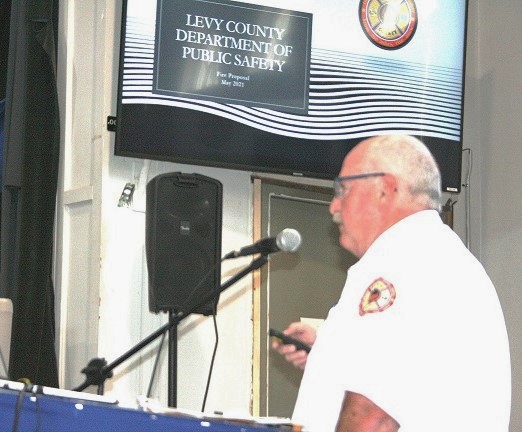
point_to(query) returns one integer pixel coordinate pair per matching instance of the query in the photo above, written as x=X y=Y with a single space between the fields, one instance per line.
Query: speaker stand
x=173 y=359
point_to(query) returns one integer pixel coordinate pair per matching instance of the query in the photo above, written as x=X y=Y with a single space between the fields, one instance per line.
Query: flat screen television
x=288 y=86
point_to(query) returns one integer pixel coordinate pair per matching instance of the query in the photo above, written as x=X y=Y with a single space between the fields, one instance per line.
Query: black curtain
x=30 y=172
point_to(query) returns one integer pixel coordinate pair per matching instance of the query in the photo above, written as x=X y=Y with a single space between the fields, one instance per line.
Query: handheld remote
x=288 y=340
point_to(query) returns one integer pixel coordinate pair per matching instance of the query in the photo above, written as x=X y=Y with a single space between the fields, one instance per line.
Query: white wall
x=499 y=129
x=101 y=275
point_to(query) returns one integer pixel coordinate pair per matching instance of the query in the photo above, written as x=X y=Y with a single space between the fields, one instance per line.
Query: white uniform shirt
x=419 y=331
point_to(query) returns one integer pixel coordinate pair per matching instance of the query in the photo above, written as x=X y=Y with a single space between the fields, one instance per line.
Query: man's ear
x=389 y=187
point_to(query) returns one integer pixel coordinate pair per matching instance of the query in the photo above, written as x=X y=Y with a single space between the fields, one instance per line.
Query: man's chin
x=347 y=243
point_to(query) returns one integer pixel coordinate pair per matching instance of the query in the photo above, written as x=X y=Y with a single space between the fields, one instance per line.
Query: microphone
x=288 y=240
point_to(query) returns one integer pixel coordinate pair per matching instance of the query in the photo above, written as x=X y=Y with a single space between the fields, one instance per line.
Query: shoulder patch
x=378 y=297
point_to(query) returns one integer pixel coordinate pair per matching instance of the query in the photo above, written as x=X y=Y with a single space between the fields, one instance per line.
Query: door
x=295 y=286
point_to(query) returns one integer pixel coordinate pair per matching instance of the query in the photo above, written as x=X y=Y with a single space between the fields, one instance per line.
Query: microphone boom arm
x=97 y=371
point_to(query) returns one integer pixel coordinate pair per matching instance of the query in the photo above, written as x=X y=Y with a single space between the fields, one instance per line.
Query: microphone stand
x=98 y=371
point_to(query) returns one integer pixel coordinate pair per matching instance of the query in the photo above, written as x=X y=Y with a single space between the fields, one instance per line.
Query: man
x=417 y=341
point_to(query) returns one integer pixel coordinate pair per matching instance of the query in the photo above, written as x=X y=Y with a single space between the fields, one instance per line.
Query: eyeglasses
x=340 y=189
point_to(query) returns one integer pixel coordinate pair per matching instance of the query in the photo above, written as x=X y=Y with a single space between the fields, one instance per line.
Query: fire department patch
x=378 y=297
x=389 y=24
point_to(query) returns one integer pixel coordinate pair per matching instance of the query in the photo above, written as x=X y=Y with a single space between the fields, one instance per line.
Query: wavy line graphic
x=350 y=96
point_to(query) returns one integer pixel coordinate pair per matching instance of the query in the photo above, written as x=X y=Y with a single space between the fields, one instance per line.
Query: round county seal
x=389 y=24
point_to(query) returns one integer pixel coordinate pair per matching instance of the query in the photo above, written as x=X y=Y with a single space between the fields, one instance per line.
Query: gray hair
x=410 y=160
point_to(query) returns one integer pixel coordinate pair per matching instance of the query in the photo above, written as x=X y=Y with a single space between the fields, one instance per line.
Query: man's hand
x=304 y=333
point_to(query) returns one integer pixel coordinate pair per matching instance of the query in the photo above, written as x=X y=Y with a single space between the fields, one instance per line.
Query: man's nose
x=334 y=205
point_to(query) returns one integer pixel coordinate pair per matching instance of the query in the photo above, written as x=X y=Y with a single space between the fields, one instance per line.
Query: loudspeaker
x=183 y=241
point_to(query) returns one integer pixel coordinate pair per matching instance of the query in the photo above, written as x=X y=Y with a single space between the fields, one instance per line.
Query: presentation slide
x=284 y=84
